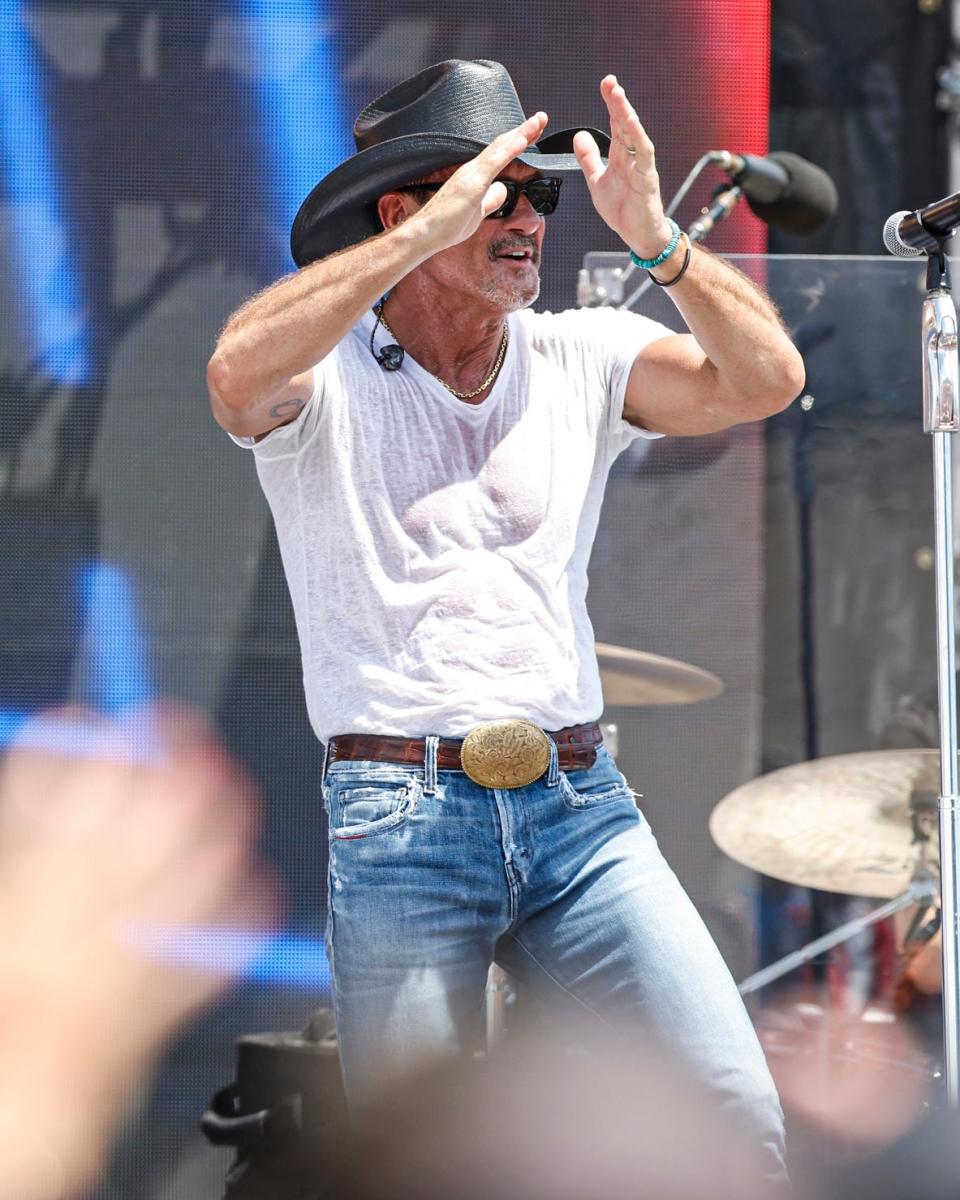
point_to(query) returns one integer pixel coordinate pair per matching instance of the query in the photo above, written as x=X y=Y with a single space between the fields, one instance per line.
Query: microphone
x=908 y=234
x=783 y=189
x=390 y=357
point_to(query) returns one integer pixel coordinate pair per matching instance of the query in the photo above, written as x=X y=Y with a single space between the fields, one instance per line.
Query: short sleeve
x=604 y=343
x=620 y=338
x=288 y=440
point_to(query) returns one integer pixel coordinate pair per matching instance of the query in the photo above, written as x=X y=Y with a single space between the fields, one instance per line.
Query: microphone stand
x=725 y=200
x=941 y=418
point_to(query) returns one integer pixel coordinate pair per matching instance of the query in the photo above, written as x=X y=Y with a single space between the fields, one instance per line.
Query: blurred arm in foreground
x=106 y=831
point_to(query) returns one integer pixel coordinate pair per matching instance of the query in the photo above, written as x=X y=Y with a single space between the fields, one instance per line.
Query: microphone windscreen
x=891 y=237
x=808 y=201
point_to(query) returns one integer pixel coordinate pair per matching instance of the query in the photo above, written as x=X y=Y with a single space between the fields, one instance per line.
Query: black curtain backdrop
x=853 y=88
x=847 y=630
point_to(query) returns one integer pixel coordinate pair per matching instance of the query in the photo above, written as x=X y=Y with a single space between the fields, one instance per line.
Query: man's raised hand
x=470 y=194
x=625 y=191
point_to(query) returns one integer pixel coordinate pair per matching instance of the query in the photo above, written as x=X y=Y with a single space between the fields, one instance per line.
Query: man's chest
x=519 y=472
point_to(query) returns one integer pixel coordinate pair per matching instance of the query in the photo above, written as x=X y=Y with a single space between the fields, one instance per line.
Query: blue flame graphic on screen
x=304 y=128
x=285 y=959
x=116 y=673
x=112 y=654
x=116 y=668
x=46 y=274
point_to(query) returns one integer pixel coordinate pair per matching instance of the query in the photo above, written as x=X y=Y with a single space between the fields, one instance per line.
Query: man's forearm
x=257 y=375
x=739 y=364
x=295 y=323
x=740 y=332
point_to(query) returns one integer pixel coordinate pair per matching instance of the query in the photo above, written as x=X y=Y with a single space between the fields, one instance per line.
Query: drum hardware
x=803 y=1036
x=499 y=991
x=941 y=419
x=850 y=823
x=924 y=925
x=923 y=888
x=853 y=823
x=285 y=1113
x=636 y=677
x=921 y=961
x=611 y=737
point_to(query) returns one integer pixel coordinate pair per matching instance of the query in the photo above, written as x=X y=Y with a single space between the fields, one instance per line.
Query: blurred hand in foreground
x=109 y=831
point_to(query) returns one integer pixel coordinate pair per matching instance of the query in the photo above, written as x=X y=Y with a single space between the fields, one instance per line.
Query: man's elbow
x=227 y=401
x=794 y=378
x=784 y=381
x=219 y=379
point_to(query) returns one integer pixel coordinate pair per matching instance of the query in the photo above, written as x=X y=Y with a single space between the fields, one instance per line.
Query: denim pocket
x=599 y=784
x=364 y=805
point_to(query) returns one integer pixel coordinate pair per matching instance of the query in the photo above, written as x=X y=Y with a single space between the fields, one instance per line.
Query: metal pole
x=841 y=934
x=941 y=416
x=497 y=984
x=949 y=782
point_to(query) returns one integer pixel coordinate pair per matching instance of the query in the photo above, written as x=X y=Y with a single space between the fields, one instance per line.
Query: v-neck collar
x=427 y=380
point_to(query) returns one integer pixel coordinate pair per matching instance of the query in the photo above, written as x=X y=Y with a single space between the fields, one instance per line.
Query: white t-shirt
x=436 y=551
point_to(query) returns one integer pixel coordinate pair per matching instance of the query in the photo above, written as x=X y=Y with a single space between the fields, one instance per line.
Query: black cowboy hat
x=441 y=116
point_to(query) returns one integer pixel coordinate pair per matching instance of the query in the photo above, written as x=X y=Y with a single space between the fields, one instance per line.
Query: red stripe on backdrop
x=732 y=47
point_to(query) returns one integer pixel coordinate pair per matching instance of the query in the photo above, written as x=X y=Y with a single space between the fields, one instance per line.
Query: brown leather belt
x=576 y=748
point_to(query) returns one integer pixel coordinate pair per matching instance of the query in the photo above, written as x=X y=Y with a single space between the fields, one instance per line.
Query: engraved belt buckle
x=505 y=754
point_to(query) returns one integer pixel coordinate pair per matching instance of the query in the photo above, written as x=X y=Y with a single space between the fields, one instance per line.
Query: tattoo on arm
x=286 y=408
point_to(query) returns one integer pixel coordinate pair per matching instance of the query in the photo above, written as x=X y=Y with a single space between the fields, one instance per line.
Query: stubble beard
x=510 y=297
x=513 y=294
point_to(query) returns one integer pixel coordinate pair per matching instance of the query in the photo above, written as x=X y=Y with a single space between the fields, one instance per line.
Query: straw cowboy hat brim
x=441 y=117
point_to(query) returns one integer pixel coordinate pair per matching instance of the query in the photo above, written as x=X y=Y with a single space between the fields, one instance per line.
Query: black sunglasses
x=542 y=192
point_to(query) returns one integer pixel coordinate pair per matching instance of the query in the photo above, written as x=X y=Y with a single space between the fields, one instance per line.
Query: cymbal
x=636 y=677
x=840 y=824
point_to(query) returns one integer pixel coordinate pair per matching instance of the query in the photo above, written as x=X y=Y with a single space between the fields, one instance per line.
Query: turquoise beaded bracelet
x=649 y=263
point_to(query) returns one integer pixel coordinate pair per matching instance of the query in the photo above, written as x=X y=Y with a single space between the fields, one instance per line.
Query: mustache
x=505 y=245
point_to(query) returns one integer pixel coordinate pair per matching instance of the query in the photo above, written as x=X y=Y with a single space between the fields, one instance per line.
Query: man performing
x=434 y=454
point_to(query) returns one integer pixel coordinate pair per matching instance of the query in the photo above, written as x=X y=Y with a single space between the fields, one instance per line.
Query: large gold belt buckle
x=505 y=754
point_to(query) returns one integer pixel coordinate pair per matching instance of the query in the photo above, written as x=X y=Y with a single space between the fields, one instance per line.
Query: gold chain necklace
x=501 y=354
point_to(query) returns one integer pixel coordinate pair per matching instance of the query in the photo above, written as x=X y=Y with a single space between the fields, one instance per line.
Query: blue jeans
x=433 y=877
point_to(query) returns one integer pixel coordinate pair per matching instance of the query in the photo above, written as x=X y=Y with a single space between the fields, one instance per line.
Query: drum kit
x=862 y=824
